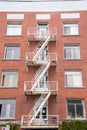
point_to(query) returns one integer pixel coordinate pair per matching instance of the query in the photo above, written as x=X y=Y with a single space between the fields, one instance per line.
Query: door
x=43 y=84
x=42 y=116
x=43 y=55
x=42 y=30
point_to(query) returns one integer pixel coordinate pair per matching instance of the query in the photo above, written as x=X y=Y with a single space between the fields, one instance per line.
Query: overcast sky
x=35 y=0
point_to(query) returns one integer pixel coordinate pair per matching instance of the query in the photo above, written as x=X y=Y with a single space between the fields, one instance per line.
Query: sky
x=34 y=0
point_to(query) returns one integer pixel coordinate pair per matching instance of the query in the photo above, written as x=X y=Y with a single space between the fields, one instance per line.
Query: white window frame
x=39 y=116
x=69 y=115
x=11 y=75
x=12 y=49
x=73 y=79
x=42 y=30
x=8 y=108
x=72 y=52
x=70 y=28
x=14 y=29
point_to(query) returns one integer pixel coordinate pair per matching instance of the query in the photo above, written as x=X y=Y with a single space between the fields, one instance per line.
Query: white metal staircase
x=39 y=75
x=37 y=78
x=41 y=48
x=40 y=103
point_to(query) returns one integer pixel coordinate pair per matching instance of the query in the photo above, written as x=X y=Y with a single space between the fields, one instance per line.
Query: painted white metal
x=41 y=48
x=53 y=120
x=40 y=75
x=41 y=105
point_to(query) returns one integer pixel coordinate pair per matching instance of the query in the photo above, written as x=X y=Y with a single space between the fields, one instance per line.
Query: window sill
x=4 y=118
x=13 y=35
x=11 y=59
x=73 y=87
x=75 y=118
x=72 y=59
x=65 y=35
x=8 y=87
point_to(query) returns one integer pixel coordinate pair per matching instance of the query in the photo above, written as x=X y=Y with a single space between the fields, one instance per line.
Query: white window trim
x=11 y=81
x=12 y=58
x=72 y=24
x=78 y=73
x=71 y=48
x=84 y=112
x=13 y=28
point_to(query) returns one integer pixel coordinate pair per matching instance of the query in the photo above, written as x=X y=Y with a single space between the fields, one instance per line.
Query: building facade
x=43 y=63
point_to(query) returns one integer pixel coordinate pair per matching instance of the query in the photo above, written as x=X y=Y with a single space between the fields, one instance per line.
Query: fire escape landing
x=38 y=86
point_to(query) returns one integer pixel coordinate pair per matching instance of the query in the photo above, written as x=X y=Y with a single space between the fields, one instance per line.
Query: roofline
x=54 y=6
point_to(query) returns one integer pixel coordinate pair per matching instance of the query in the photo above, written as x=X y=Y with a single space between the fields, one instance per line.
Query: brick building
x=43 y=63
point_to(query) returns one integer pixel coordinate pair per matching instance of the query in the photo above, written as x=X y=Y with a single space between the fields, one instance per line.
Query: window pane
x=8 y=54
x=73 y=79
x=67 y=30
x=77 y=80
x=72 y=52
x=75 y=108
x=12 y=52
x=10 y=79
x=71 y=111
x=8 y=108
x=14 y=29
x=68 y=54
x=69 y=81
x=70 y=28
x=42 y=30
x=74 y=30
x=79 y=109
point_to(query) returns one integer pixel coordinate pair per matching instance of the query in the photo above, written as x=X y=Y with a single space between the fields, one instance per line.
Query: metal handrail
x=50 y=56
x=51 y=85
x=50 y=120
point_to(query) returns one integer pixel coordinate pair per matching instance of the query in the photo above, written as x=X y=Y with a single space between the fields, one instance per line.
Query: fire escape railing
x=51 y=86
x=37 y=80
x=33 y=34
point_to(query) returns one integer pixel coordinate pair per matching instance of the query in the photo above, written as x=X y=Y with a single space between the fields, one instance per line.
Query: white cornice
x=56 y=6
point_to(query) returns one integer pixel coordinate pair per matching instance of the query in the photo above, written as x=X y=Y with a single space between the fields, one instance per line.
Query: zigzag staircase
x=40 y=103
x=37 y=78
x=41 y=46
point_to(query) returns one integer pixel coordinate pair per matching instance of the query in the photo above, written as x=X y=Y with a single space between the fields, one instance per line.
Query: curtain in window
x=10 y=79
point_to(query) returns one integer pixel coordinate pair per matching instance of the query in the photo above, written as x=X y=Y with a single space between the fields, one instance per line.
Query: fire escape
x=39 y=85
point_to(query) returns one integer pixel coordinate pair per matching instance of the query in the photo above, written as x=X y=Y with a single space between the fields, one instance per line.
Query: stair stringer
x=40 y=76
x=41 y=48
x=39 y=108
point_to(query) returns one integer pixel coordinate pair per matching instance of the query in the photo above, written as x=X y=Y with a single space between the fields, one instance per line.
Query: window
x=9 y=79
x=75 y=108
x=71 y=52
x=73 y=78
x=14 y=29
x=12 y=52
x=42 y=30
x=70 y=28
x=7 y=108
